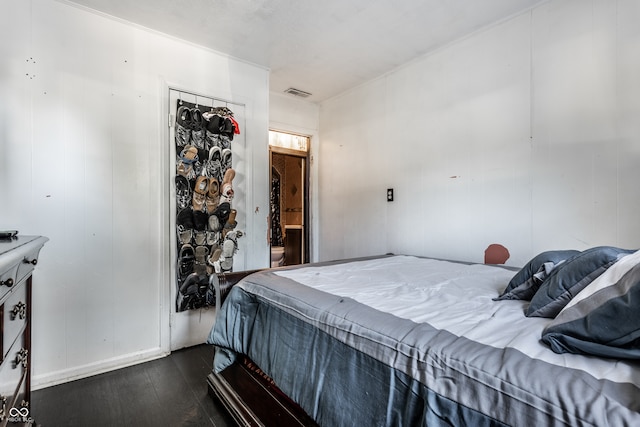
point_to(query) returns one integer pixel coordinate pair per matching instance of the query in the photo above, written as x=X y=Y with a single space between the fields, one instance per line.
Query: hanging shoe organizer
x=206 y=234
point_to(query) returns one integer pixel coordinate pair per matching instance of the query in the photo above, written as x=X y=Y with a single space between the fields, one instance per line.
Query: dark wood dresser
x=18 y=258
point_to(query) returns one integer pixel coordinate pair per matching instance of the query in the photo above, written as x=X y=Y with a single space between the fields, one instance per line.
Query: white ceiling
x=319 y=46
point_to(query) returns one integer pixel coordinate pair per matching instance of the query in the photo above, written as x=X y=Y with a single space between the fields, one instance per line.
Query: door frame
x=306 y=210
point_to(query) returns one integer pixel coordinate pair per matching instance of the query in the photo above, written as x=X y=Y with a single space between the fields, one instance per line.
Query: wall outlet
x=389 y=194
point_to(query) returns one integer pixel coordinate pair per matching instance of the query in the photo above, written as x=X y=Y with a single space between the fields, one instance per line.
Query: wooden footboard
x=222 y=283
x=253 y=399
x=248 y=394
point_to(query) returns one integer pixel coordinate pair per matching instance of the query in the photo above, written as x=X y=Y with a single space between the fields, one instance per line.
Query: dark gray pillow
x=525 y=283
x=564 y=282
x=605 y=323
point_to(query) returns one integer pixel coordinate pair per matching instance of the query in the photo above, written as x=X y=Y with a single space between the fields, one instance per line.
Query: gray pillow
x=565 y=281
x=525 y=283
x=605 y=323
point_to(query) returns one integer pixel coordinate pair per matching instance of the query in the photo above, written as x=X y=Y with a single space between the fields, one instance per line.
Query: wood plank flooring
x=171 y=391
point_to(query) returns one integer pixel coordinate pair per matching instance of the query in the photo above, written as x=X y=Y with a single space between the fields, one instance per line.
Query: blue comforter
x=348 y=364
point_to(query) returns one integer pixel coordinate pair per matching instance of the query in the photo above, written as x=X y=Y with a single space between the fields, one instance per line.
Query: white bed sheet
x=454 y=297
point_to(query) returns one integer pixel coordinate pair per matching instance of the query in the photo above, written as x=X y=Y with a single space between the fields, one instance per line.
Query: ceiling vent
x=297 y=92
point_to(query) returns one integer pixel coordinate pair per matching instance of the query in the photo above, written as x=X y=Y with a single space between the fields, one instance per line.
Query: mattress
x=412 y=341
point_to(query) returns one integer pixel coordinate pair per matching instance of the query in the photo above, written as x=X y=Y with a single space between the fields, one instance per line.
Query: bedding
x=411 y=341
x=526 y=282
x=604 y=318
x=569 y=278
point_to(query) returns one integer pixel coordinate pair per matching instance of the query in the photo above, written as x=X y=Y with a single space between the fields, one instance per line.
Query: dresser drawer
x=28 y=264
x=18 y=258
x=17 y=407
x=12 y=368
x=13 y=373
x=14 y=318
x=8 y=278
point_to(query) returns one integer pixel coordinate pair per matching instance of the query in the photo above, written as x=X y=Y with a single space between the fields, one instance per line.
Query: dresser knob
x=8 y=282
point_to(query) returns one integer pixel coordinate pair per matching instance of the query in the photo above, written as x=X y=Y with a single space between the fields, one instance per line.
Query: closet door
x=207 y=206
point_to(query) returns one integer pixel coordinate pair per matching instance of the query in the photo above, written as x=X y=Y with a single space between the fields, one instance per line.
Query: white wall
x=289 y=114
x=525 y=134
x=85 y=162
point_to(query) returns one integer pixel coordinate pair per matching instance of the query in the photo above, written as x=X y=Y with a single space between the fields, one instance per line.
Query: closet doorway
x=289 y=198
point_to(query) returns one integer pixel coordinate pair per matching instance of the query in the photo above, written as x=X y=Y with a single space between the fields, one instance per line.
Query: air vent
x=297 y=92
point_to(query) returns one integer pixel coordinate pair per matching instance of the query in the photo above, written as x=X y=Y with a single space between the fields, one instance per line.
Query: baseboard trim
x=78 y=372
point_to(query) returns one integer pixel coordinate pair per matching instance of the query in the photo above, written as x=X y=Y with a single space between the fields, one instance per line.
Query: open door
x=289 y=191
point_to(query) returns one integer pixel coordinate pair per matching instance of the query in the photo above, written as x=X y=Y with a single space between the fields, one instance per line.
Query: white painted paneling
x=463 y=113
x=524 y=134
x=85 y=161
x=353 y=174
x=295 y=114
x=574 y=123
x=628 y=108
x=289 y=114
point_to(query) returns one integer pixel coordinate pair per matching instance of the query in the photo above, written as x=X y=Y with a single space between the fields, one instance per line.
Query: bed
x=407 y=341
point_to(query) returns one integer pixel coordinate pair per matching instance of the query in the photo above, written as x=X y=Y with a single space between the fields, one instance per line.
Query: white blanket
x=454 y=297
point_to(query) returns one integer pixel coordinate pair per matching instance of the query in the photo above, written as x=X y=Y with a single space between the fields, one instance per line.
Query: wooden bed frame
x=248 y=394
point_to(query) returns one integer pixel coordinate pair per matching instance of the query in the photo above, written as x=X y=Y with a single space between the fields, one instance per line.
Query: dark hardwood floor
x=171 y=391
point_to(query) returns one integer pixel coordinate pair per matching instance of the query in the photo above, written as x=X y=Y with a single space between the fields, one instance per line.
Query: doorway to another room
x=289 y=195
